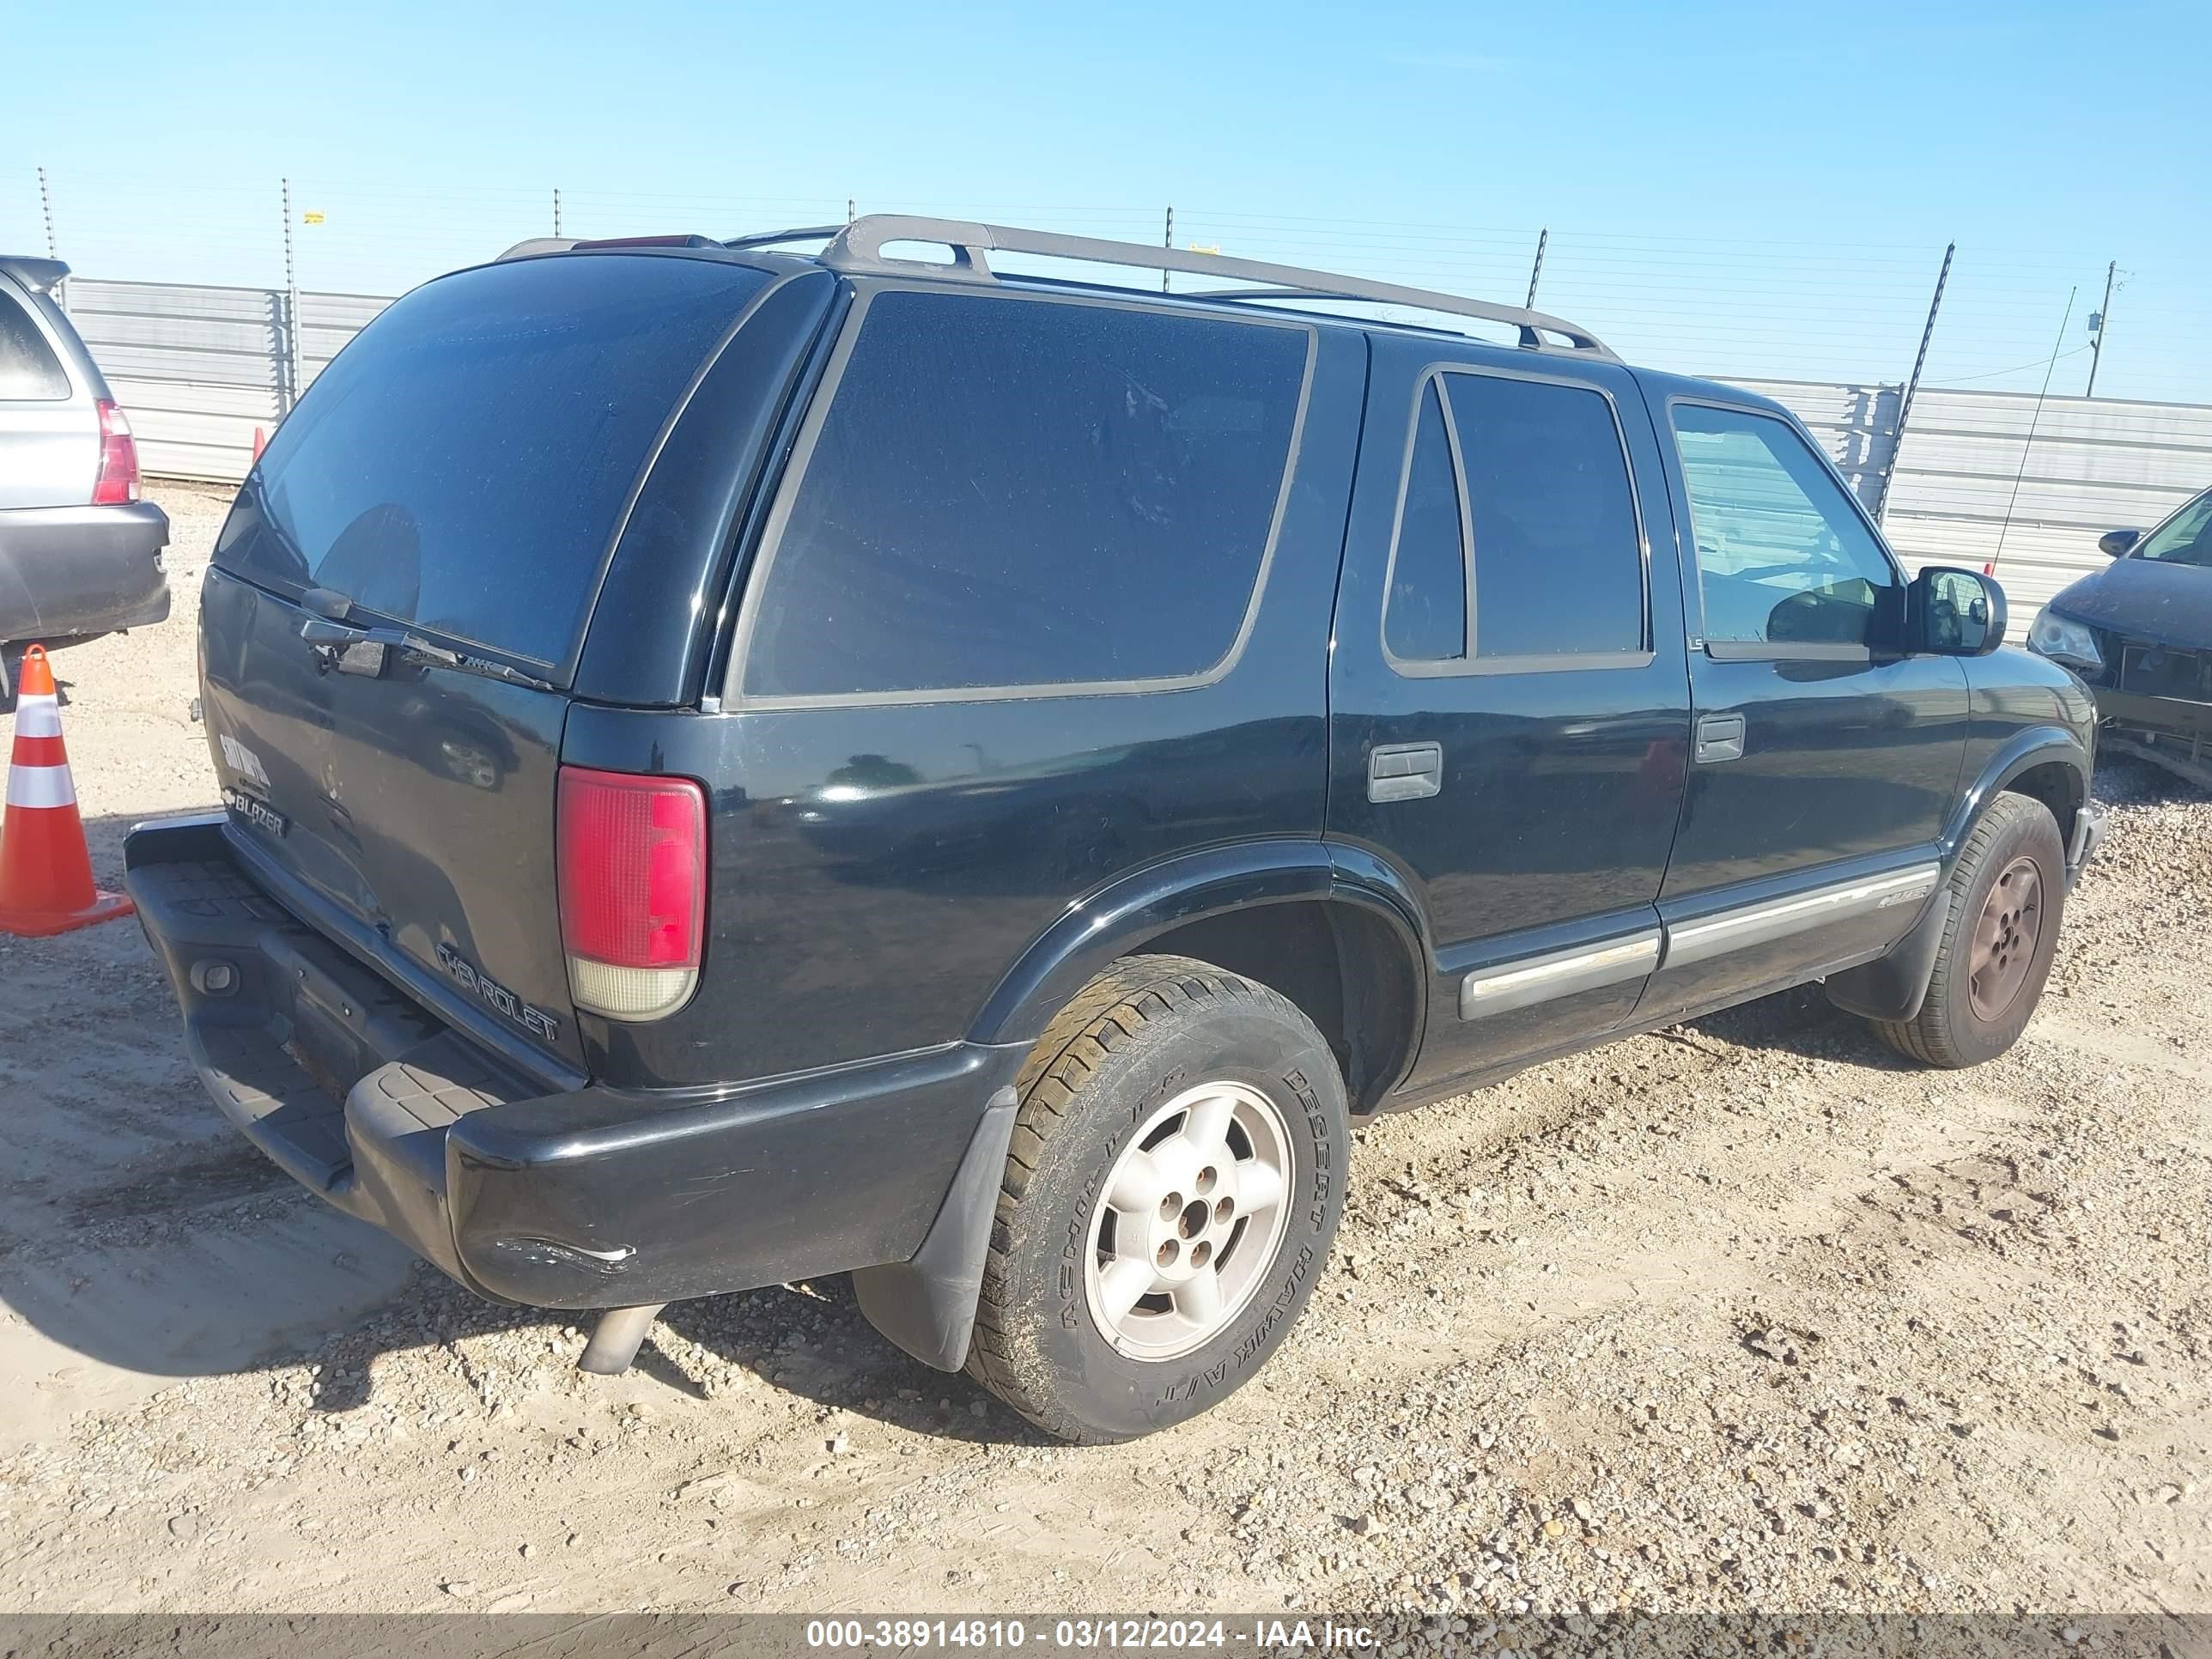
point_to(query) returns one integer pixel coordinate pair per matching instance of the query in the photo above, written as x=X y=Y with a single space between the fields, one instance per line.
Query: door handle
x=1720 y=737
x=1405 y=771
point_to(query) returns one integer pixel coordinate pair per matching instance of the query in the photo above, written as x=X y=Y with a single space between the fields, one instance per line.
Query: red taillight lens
x=118 y=460
x=632 y=854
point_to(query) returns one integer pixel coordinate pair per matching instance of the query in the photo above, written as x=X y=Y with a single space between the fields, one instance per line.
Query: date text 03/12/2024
x=1092 y=1635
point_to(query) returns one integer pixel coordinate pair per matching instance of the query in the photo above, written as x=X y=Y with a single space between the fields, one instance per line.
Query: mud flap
x=1892 y=986
x=926 y=1305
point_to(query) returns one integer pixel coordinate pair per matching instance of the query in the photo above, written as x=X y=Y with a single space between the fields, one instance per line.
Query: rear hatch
x=400 y=596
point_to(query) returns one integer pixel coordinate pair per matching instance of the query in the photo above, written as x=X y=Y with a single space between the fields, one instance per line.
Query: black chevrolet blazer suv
x=742 y=765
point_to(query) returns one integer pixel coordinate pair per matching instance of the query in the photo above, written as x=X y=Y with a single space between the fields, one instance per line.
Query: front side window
x=1784 y=558
x=29 y=371
x=2185 y=538
x=1011 y=492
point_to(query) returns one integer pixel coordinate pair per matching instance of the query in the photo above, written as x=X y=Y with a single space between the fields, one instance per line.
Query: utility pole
x=1537 y=270
x=849 y=209
x=556 y=210
x=1919 y=362
x=291 y=308
x=2097 y=332
x=1167 y=241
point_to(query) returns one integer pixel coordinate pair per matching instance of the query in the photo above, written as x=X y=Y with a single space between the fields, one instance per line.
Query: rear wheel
x=1176 y=1177
x=2007 y=897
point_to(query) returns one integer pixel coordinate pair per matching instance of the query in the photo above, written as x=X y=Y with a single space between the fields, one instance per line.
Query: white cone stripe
x=38 y=717
x=40 y=785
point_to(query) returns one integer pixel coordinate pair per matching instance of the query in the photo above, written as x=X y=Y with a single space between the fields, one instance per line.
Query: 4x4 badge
x=535 y=1021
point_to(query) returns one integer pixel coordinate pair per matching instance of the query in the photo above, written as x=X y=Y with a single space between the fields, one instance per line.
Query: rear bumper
x=66 y=571
x=589 y=1198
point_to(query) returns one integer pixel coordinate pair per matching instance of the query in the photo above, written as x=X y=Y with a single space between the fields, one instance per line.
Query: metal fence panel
x=1971 y=487
x=203 y=369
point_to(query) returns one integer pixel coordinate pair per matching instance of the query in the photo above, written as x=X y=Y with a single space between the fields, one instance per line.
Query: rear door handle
x=1720 y=737
x=1405 y=771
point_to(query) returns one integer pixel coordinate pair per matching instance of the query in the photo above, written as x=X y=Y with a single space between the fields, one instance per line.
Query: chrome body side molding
x=1563 y=973
x=1761 y=924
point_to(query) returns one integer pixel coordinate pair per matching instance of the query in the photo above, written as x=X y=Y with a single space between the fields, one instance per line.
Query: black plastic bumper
x=2089 y=824
x=590 y=1198
x=67 y=572
x=2177 y=717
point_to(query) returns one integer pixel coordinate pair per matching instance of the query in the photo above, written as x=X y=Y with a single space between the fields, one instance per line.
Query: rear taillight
x=632 y=852
x=118 y=460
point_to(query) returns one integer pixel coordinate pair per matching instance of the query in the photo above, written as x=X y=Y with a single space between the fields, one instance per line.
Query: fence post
x=556 y=210
x=1167 y=241
x=46 y=209
x=287 y=374
x=1905 y=405
x=1537 y=270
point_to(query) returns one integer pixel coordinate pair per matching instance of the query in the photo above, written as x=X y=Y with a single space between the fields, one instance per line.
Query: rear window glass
x=462 y=465
x=1011 y=492
x=29 y=371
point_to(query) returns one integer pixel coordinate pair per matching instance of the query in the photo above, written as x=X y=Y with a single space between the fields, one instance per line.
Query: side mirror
x=1955 y=613
x=2114 y=544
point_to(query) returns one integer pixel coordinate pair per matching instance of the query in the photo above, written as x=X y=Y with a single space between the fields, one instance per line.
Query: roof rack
x=857 y=249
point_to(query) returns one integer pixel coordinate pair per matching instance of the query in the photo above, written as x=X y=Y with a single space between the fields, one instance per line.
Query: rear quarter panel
x=877 y=869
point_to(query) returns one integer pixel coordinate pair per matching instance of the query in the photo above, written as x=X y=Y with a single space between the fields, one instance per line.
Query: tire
x=1963 y=1024
x=1154 y=1054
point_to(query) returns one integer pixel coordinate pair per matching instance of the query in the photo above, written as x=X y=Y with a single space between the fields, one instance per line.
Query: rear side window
x=1426 y=620
x=1011 y=492
x=463 y=464
x=29 y=371
x=1541 y=494
x=1559 y=565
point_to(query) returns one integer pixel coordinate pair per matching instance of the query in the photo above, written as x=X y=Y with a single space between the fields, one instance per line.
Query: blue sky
x=1740 y=188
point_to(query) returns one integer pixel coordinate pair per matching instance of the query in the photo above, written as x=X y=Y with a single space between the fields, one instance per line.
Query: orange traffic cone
x=45 y=870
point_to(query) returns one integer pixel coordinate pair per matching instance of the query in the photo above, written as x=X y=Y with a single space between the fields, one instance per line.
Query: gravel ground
x=1744 y=1316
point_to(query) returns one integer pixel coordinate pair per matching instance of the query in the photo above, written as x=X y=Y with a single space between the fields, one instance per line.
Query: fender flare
x=1145 y=903
x=2038 y=746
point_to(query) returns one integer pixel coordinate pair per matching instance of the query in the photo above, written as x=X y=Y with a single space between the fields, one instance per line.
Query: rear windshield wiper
x=352 y=649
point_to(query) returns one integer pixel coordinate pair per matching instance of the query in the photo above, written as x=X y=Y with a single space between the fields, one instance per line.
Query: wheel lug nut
x=1165 y=1255
x=1207 y=1177
x=1171 y=1206
x=1200 y=1254
x=1222 y=1209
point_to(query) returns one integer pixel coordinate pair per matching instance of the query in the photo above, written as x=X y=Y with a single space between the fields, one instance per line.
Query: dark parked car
x=79 y=554
x=743 y=766
x=2140 y=635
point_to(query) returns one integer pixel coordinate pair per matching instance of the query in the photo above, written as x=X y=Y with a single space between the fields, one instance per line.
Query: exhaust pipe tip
x=615 y=1339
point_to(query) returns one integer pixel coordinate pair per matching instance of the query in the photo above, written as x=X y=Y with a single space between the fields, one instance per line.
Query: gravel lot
x=1742 y=1316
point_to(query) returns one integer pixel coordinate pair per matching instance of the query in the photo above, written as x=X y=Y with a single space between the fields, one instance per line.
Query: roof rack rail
x=771 y=237
x=857 y=249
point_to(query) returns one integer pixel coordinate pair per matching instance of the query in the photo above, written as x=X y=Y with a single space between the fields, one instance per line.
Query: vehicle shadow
x=1800 y=1021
